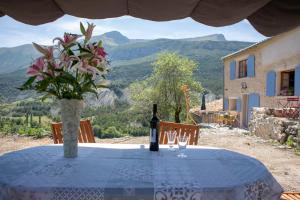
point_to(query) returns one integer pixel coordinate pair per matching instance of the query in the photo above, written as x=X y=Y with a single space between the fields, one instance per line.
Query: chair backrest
x=191 y=130
x=290 y=196
x=85 y=132
x=57 y=133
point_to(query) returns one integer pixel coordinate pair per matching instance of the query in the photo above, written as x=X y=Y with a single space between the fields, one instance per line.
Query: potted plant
x=290 y=91
x=68 y=70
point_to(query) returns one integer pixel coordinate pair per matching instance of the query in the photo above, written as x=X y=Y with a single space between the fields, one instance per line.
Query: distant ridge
x=131 y=59
x=16 y=58
x=113 y=38
x=213 y=37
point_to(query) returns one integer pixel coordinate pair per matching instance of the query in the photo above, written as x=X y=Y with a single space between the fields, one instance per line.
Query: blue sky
x=14 y=33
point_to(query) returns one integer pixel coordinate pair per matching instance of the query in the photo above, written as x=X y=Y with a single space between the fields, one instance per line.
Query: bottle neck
x=154 y=114
x=154 y=110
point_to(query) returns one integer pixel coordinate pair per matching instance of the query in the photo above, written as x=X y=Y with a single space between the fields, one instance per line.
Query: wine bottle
x=154 y=130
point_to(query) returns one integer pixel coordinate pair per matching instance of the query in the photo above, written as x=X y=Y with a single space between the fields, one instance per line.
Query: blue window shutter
x=238 y=105
x=271 y=84
x=254 y=101
x=226 y=104
x=297 y=81
x=251 y=66
x=232 y=70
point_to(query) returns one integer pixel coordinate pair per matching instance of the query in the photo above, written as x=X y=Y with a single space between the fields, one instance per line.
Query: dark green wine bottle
x=154 y=130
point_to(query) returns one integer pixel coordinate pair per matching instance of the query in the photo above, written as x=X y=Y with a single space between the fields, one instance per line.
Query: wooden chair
x=290 y=196
x=191 y=130
x=85 y=132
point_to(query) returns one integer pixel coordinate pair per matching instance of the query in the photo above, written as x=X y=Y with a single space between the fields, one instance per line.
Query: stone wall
x=264 y=124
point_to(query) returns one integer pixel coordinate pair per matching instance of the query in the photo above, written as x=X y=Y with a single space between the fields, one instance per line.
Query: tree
x=141 y=98
x=163 y=87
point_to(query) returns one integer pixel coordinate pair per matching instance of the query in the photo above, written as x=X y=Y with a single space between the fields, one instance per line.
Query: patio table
x=131 y=171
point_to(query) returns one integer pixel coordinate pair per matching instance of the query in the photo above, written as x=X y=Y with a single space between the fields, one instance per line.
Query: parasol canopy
x=269 y=17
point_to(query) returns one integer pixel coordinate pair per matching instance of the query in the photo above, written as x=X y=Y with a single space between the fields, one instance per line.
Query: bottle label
x=153 y=135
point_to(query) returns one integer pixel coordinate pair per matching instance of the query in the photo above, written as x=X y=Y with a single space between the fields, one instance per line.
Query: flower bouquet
x=68 y=70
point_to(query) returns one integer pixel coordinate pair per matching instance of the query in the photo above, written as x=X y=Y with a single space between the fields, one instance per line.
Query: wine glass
x=182 y=142
x=171 y=139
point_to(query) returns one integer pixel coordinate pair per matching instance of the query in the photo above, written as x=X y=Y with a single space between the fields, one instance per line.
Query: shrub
x=35 y=124
x=97 y=131
x=290 y=143
x=56 y=118
x=34 y=132
x=141 y=131
x=18 y=121
x=15 y=114
x=6 y=129
x=111 y=132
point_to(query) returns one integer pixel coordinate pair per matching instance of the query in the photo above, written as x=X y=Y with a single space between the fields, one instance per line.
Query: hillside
x=12 y=59
x=130 y=60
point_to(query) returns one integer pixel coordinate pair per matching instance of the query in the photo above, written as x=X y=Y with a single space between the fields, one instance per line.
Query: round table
x=131 y=171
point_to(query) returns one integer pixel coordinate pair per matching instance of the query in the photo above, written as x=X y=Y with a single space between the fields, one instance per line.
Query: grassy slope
x=207 y=53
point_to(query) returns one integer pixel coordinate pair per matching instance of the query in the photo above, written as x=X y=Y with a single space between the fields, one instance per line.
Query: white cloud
x=16 y=38
x=15 y=33
x=71 y=26
x=103 y=29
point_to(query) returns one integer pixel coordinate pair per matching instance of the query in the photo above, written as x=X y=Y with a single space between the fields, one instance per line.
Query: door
x=244 y=113
x=253 y=101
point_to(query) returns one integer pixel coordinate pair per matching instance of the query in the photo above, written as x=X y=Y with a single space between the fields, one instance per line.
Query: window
x=232 y=104
x=243 y=68
x=287 y=83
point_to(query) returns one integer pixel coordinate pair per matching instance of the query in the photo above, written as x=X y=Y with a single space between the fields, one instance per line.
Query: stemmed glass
x=171 y=139
x=182 y=142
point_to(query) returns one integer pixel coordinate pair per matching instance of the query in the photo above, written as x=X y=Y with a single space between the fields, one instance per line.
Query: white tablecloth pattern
x=127 y=171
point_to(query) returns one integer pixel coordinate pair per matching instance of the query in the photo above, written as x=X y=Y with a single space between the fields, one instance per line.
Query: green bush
x=290 y=143
x=34 y=132
x=56 y=118
x=111 y=132
x=15 y=114
x=18 y=121
x=142 y=131
x=35 y=124
x=97 y=131
x=6 y=129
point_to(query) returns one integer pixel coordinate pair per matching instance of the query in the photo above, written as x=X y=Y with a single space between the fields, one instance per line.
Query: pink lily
x=37 y=68
x=84 y=66
x=89 y=31
x=97 y=51
x=47 y=51
x=100 y=52
x=99 y=66
x=68 y=39
x=65 y=60
x=56 y=64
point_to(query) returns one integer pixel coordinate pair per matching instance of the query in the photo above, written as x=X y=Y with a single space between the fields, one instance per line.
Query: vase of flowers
x=68 y=70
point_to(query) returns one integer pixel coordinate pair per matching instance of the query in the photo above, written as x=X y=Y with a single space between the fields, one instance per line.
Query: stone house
x=262 y=74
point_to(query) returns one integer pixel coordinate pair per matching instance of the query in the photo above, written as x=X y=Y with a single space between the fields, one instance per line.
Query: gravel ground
x=283 y=163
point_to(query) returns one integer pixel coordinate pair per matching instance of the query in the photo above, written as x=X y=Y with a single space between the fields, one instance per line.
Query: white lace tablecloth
x=120 y=171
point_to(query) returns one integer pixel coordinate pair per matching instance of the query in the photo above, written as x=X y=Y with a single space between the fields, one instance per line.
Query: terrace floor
x=283 y=163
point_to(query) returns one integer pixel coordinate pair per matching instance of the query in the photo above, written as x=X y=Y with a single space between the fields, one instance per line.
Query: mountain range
x=131 y=60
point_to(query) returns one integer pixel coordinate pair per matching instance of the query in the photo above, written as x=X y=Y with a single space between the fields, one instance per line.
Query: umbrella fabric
x=269 y=17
